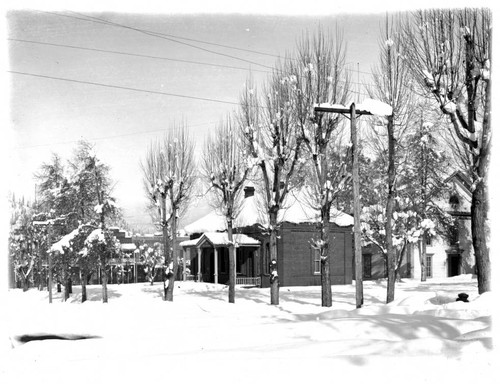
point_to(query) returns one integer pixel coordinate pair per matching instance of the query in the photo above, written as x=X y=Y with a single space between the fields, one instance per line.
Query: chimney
x=249 y=191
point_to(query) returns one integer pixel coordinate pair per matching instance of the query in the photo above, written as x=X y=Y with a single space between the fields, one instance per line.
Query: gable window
x=428 y=240
x=454 y=201
x=316 y=261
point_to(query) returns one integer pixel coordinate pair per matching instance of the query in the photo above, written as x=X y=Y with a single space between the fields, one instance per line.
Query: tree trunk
x=400 y=261
x=423 y=258
x=273 y=268
x=40 y=274
x=166 y=246
x=67 y=286
x=25 y=283
x=104 y=279
x=391 y=254
x=173 y=264
x=326 y=284
x=232 y=264
x=83 y=277
x=479 y=217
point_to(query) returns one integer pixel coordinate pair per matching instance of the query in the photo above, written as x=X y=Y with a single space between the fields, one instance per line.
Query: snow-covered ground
x=425 y=336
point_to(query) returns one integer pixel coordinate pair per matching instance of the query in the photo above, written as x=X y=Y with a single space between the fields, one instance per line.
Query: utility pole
x=49 y=256
x=358 y=260
x=352 y=113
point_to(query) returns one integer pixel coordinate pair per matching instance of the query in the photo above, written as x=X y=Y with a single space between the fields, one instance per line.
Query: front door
x=454 y=261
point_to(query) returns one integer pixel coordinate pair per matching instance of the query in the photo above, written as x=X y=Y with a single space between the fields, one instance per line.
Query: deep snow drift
x=425 y=336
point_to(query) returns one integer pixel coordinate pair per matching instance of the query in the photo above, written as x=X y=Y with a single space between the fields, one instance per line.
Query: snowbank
x=137 y=336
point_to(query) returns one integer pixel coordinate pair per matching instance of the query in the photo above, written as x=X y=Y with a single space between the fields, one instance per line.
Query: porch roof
x=220 y=239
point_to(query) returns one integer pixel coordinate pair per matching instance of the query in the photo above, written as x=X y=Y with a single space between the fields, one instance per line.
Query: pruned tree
x=272 y=146
x=321 y=77
x=449 y=54
x=225 y=169
x=391 y=85
x=168 y=175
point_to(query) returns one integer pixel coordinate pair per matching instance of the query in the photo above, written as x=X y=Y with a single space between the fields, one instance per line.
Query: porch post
x=199 y=263
x=216 y=266
x=184 y=264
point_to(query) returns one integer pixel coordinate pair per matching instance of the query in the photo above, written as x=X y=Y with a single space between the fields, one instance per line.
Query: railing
x=255 y=281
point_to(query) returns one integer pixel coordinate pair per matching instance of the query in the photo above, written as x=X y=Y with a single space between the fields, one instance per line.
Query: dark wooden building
x=298 y=261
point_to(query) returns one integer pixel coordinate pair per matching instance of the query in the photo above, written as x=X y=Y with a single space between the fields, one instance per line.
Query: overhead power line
x=124 y=88
x=156 y=34
x=194 y=40
x=157 y=57
x=134 y=55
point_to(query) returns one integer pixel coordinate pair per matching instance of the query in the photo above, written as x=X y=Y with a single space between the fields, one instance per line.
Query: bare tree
x=321 y=74
x=168 y=178
x=391 y=79
x=225 y=169
x=449 y=55
x=272 y=146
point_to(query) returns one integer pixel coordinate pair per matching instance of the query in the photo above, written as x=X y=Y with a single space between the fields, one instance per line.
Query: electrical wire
x=123 y=88
x=134 y=54
x=159 y=35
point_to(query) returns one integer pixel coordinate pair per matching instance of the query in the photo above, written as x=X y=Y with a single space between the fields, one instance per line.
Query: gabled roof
x=296 y=210
x=461 y=179
x=220 y=239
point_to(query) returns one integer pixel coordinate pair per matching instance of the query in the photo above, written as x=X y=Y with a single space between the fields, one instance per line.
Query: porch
x=206 y=259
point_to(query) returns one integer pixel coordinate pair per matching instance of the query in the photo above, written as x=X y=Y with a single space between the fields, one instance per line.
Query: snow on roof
x=221 y=239
x=128 y=247
x=189 y=243
x=212 y=222
x=251 y=213
x=297 y=210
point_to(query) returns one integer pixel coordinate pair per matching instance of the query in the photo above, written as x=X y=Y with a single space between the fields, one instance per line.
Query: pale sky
x=49 y=115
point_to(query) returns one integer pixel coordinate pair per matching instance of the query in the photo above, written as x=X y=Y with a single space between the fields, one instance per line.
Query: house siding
x=297 y=255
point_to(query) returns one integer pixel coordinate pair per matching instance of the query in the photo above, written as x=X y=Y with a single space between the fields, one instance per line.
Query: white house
x=451 y=254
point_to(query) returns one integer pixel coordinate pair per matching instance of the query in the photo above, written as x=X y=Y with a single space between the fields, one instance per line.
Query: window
x=316 y=261
x=454 y=201
x=223 y=260
x=267 y=259
x=428 y=240
x=453 y=234
x=239 y=260
x=428 y=263
x=367 y=266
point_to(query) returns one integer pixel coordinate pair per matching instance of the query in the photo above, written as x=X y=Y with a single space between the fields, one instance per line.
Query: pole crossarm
x=344 y=111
